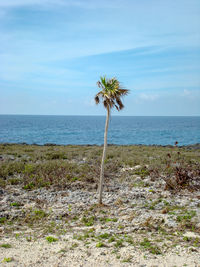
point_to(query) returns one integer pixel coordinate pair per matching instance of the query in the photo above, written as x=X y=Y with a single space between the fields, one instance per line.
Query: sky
x=52 y=53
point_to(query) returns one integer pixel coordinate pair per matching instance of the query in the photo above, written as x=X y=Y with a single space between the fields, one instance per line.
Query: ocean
x=82 y=130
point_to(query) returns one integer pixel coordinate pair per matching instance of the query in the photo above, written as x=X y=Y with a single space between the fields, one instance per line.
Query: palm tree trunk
x=103 y=157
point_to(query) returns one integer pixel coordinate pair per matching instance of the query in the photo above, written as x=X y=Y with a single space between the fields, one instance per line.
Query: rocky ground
x=139 y=224
x=135 y=227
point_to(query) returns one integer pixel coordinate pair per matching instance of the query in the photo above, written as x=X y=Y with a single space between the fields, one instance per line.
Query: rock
x=1 y=191
x=191 y=235
x=11 y=157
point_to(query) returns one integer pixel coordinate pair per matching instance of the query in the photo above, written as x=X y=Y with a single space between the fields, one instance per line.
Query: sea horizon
x=103 y=115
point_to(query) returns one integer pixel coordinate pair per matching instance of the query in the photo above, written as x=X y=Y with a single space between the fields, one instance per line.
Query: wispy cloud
x=186 y=92
x=20 y=3
x=148 y=97
x=85 y=4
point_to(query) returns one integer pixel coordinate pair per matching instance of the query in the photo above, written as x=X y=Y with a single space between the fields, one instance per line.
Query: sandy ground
x=44 y=254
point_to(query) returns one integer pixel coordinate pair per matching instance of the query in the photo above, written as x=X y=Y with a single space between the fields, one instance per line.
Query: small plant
x=29 y=169
x=110 y=219
x=51 y=239
x=186 y=238
x=2 y=183
x=146 y=243
x=15 y=204
x=2 y=220
x=128 y=259
x=88 y=221
x=129 y=240
x=62 y=251
x=73 y=246
x=40 y=213
x=5 y=246
x=150 y=247
x=28 y=238
x=143 y=172
x=7 y=260
x=100 y=245
x=74 y=179
x=14 y=181
x=196 y=242
x=53 y=156
x=69 y=208
x=29 y=186
x=111 y=239
x=104 y=236
x=119 y=243
x=187 y=216
x=17 y=235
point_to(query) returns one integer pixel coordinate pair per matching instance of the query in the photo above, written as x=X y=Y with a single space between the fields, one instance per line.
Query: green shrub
x=7 y=260
x=51 y=239
x=56 y=155
x=2 y=220
x=5 y=246
x=10 y=168
x=15 y=204
x=100 y=245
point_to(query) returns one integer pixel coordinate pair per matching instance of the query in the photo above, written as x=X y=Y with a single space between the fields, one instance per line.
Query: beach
x=50 y=216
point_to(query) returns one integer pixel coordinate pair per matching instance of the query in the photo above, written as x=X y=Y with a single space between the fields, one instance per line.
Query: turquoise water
x=123 y=130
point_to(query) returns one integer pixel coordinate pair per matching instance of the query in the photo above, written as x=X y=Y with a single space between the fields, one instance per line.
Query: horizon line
x=100 y=115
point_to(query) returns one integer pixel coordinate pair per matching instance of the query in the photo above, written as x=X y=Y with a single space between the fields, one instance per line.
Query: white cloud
x=148 y=97
x=186 y=92
x=190 y=94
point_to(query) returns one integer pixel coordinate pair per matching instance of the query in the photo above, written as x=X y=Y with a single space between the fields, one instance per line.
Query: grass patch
x=100 y=245
x=104 y=236
x=119 y=243
x=2 y=220
x=73 y=246
x=15 y=204
x=187 y=216
x=88 y=221
x=51 y=239
x=5 y=246
x=7 y=259
x=147 y=245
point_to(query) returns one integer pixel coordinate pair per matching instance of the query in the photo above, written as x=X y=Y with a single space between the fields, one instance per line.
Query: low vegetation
x=35 y=166
x=51 y=239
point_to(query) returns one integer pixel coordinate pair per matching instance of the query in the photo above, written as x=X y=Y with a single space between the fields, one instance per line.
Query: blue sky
x=52 y=53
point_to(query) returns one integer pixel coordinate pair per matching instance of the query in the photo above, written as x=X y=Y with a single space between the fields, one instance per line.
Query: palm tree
x=110 y=94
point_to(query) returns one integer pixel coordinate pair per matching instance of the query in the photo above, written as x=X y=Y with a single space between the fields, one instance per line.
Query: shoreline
x=189 y=146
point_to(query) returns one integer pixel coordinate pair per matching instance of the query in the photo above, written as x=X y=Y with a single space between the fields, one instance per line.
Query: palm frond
x=117 y=107
x=105 y=104
x=123 y=92
x=111 y=93
x=119 y=102
x=97 y=100
x=100 y=85
x=103 y=81
x=121 y=106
